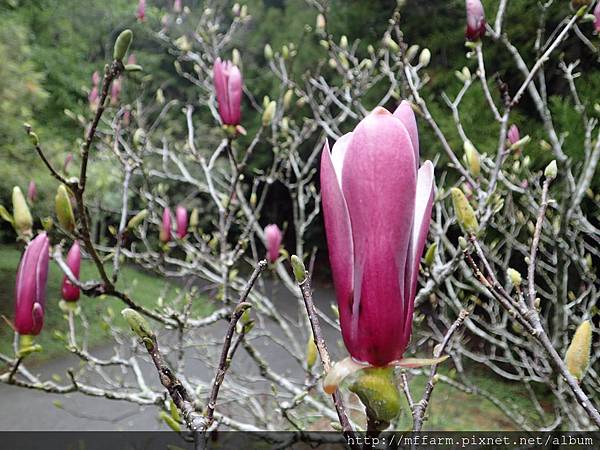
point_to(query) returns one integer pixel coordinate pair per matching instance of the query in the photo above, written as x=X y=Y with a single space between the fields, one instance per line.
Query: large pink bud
x=228 y=85
x=69 y=291
x=475 y=20
x=165 y=229
x=377 y=209
x=181 y=217
x=30 y=287
x=273 y=237
x=513 y=134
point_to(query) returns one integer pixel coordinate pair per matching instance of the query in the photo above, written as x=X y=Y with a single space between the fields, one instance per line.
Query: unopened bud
x=122 y=44
x=344 y=42
x=430 y=254
x=514 y=277
x=268 y=52
x=236 y=58
x=139 y=326
x=462 y=243
x=269 y=113
x=390 y=43
x=377 y=390
x=551 y=170
x=411 y=52
x=464 y=212
x=23 y=222
x=472 y=158
x=136 y=220
x=139 y=138
x=425 y=57
x=298 y=268
x=321 y=23
x=577 y=357
x=311 y=352
x=287 y=98
x=194 y=219
x=63 y=209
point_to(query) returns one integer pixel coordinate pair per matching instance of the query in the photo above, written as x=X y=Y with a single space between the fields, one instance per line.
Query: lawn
x=144 y=288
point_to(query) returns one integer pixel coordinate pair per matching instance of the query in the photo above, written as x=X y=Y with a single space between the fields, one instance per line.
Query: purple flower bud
x=475 y=20
x=96 y=78
x=513 y=134
x=181 y=217
x=141 y=10
x=30 y=287
x=273 y=237
x=31 y=192
x=597 y=17
x=70 y=292
x=377 y=206
x=165 y=229
x=94 y=98
x=228 y=86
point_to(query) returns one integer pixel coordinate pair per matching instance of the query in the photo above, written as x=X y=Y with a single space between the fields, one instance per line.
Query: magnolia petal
x=412 y=363
x=339 y=371
x=234 y=92
x=338 y=153
x=405 y=113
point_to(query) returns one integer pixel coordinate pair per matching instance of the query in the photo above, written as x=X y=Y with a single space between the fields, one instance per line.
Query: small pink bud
x=475 y=20
x=273 y=237
x=70 y=292
x=141 y=10
x=96 y=78
x=177 y=6
x=181 y=216
x=165 y=229
x=513 y=134
x=30 y=286
x=94 y=98
x=31 y=192
x=228 y=86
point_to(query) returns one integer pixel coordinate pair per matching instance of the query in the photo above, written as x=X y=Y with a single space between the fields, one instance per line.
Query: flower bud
x=425 y=57
x=464 y=212
x=411 y=52
x=31 y=192
x=181 y=217
x=273 y=238
x=344 y=42
x=430 y=254
x=551 y=170
x=298 y=268
x=287 y=98
x=122 y=44
x=472 y=158
x=63 y=209
x=321 y=23
x=577 y=357
x=514 y=277
x=389 y=42
x=137 y=219
x=268 y=52
x=139 y=326
x=194 y=219
x=69 y=291
x=165 y=229
x=269 y=113
x=23 y=222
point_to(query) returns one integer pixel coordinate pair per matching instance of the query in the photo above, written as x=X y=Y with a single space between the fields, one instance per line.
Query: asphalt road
x=24 y=409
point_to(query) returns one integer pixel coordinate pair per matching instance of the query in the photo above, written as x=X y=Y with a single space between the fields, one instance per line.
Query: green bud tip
x=464 y=212
x=298 y=268
x=138 y=324
x=514 y=277
x=122 y=44
x=551 y=170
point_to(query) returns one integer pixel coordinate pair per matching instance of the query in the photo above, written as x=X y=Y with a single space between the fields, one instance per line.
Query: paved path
x=24 y=409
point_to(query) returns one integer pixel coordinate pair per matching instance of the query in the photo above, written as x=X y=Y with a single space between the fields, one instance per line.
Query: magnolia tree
x=506 y=279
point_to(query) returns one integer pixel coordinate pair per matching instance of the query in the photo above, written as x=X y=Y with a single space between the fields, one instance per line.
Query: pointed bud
x=475 y=20
x=268 y=52
x=430 y=254
x=321 y=23
x=63 y=209
x=464 y=212
x=472 y=158
x=31 y=192
x=136 y=220
x=194 y=219
x=462 y=243
x=311 y=352
x=269 y=113
x=577 y=357
x=181 y=217
x=425 y=57
x=122 y=44
x=165 y=228
x=344 y=42
x=389 y=42
x=273 y=238
x=551 y=170
x=69 y=291
x=23 y=222
x=411 y=52
x=138 y=325
x=298 y=268
x=287 y=99
x=514 y=277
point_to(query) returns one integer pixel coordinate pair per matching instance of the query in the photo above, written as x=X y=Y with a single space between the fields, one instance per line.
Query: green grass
x=102 y=313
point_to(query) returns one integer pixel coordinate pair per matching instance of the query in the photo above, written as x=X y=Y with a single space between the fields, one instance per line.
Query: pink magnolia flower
x=141 y=11
x=377 y=206
x=181 y=217
x=165 y=229
x=273 y=238
x=30 y=287
x=69 y=291
x=597 y=17
x=513 y=134
x=475 y=20
x=228 y=85
x=31 y=191
x=115 y=91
